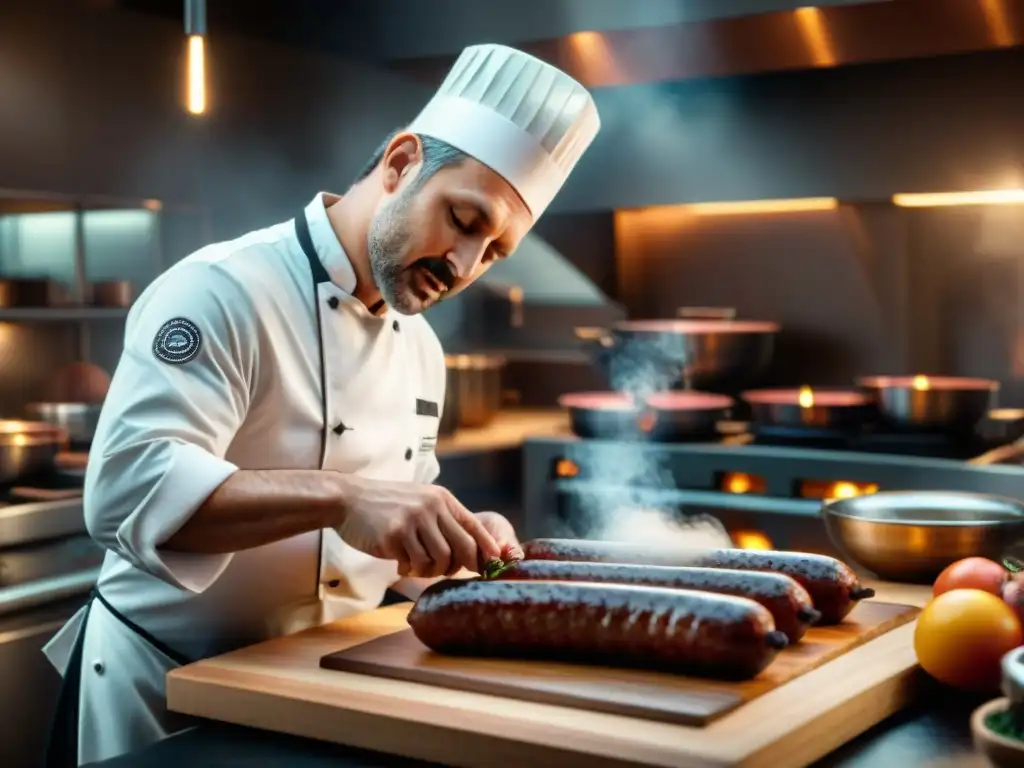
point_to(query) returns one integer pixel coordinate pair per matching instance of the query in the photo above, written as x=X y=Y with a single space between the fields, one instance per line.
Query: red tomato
x=972 y=573
x=961 y=637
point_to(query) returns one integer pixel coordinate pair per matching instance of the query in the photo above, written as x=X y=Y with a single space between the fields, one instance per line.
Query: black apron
x=62 y=749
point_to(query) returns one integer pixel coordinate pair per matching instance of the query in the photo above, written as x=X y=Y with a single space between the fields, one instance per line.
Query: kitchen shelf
x=61 y=314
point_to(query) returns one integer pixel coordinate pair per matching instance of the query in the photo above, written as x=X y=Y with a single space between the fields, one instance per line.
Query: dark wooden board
x=649 y=695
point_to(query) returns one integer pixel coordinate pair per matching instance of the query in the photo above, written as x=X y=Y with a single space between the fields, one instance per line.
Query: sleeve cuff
x=192 y=476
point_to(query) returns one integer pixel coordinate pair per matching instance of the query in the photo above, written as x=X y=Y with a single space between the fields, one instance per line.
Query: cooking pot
x=942 y=403
x=78 y=420
x=662 y=417
x=474 y=390
x=28 y=448
x=704 y=349
x=112 y=293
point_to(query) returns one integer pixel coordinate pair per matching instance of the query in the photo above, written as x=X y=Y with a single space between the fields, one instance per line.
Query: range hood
x=805 y=38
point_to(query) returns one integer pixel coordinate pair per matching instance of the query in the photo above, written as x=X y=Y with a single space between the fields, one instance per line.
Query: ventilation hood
x=805 y=38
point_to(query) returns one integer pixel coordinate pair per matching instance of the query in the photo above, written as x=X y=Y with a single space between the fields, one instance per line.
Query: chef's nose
x=465 y=259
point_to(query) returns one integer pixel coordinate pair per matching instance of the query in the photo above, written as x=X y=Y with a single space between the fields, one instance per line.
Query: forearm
x=257 y=507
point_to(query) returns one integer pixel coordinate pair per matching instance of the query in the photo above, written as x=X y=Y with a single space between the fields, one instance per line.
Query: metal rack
x=79 y=312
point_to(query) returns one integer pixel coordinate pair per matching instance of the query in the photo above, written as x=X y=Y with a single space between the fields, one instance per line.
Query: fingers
x=438 y=552
x=487 y=547
x=394 y=549
x=420 y=560
x=463 y=546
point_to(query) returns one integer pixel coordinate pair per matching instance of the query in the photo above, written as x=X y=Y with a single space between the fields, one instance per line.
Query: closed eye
x=465 y=229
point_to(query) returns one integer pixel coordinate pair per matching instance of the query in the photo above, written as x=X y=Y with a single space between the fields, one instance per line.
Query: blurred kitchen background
x=851 y=172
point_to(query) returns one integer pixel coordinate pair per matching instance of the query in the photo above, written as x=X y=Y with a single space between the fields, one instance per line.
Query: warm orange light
x=740 y=482
x=566 y=468
x=791 y=205
x=835 y=489
x=806 y=397
x=593 y=60
x=752 y=540
x=153 y=205
x=645 y=421
x=196 y=74
x=811 y=22
x=921 y=383
x=945 y=199
x=998 y=21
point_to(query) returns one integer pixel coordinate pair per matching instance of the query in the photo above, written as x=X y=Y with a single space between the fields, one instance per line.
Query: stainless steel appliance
x=48 y=565
x=766 y=488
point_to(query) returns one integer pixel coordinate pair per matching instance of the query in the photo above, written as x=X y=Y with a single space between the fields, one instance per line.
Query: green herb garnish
x=496 y=566
x=1008 y=723
x=1013 y=565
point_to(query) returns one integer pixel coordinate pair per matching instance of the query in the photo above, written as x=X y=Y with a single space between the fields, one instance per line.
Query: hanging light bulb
x=195 y=29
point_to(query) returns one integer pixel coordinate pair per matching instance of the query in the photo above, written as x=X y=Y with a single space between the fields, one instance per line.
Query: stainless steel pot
x=77 y=419
x=28 y=448
x=705 y=349
x=475 y=386
x=931 y=402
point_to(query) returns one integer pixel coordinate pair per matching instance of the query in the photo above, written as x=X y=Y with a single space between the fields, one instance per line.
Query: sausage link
x=789 y=604
x=675 y=630
x=832 y=585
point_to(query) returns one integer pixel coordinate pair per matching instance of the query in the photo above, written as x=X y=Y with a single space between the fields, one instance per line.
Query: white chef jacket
x=178 y=421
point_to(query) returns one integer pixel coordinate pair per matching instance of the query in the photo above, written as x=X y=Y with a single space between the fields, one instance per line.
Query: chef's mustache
x=439 y=268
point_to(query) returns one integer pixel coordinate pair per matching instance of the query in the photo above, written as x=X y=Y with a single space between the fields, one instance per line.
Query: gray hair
x=437 y=154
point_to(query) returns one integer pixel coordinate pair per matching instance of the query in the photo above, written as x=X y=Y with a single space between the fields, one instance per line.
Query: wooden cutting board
x=649 y=695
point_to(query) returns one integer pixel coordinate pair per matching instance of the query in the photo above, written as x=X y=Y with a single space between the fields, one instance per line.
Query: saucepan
x=911 y=536
x=942 y=403
x=78 y=420
x=703 y=349
x=28 y=448
x=660 y=417
x=806 y=408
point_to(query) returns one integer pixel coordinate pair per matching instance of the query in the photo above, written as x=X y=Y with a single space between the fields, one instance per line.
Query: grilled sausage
x=684 y=631
x=789 y=604
x=832 y=585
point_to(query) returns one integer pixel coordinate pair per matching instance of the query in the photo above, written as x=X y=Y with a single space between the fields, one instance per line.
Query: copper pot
x=112 y=293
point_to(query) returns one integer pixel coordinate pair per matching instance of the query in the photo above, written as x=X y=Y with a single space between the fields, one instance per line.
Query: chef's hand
x=503 y=533
x=423 y=528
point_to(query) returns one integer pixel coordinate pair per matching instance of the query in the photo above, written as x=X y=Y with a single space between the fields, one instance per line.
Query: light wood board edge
x=841 y=699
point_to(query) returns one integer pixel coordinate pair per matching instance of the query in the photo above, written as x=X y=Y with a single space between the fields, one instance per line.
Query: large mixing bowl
x=910 y=536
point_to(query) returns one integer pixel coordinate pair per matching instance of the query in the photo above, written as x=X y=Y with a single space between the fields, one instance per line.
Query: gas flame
x=921 y=383
x=806 y=397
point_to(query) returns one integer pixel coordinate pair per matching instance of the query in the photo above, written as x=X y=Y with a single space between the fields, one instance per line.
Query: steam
x=628 y=497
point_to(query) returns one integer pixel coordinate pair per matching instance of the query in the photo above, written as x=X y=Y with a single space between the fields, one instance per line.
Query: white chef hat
x=521 y=117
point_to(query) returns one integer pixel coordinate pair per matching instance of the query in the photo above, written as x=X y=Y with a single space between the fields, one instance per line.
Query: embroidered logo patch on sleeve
x=177 y=341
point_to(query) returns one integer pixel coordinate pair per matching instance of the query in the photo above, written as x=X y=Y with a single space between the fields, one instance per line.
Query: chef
x=265 y=459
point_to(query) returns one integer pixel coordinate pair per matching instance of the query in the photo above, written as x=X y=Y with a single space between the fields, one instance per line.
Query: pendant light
x=195 y=30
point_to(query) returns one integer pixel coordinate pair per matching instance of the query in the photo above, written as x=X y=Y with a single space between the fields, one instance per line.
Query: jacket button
x=396 y=326
x=97 y=667
x=334 y=583
x=333 y=302
x=408 y=454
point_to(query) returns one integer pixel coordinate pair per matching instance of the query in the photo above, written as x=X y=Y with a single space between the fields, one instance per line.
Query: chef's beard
x=388 y=245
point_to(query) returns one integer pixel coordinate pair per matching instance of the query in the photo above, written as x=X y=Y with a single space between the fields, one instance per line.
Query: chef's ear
x=401 y=157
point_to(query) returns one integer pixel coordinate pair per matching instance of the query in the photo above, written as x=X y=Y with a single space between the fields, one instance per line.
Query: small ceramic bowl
x=1000 y=751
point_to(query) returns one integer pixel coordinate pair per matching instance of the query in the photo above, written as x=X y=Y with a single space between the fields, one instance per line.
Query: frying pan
x=661 y=417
